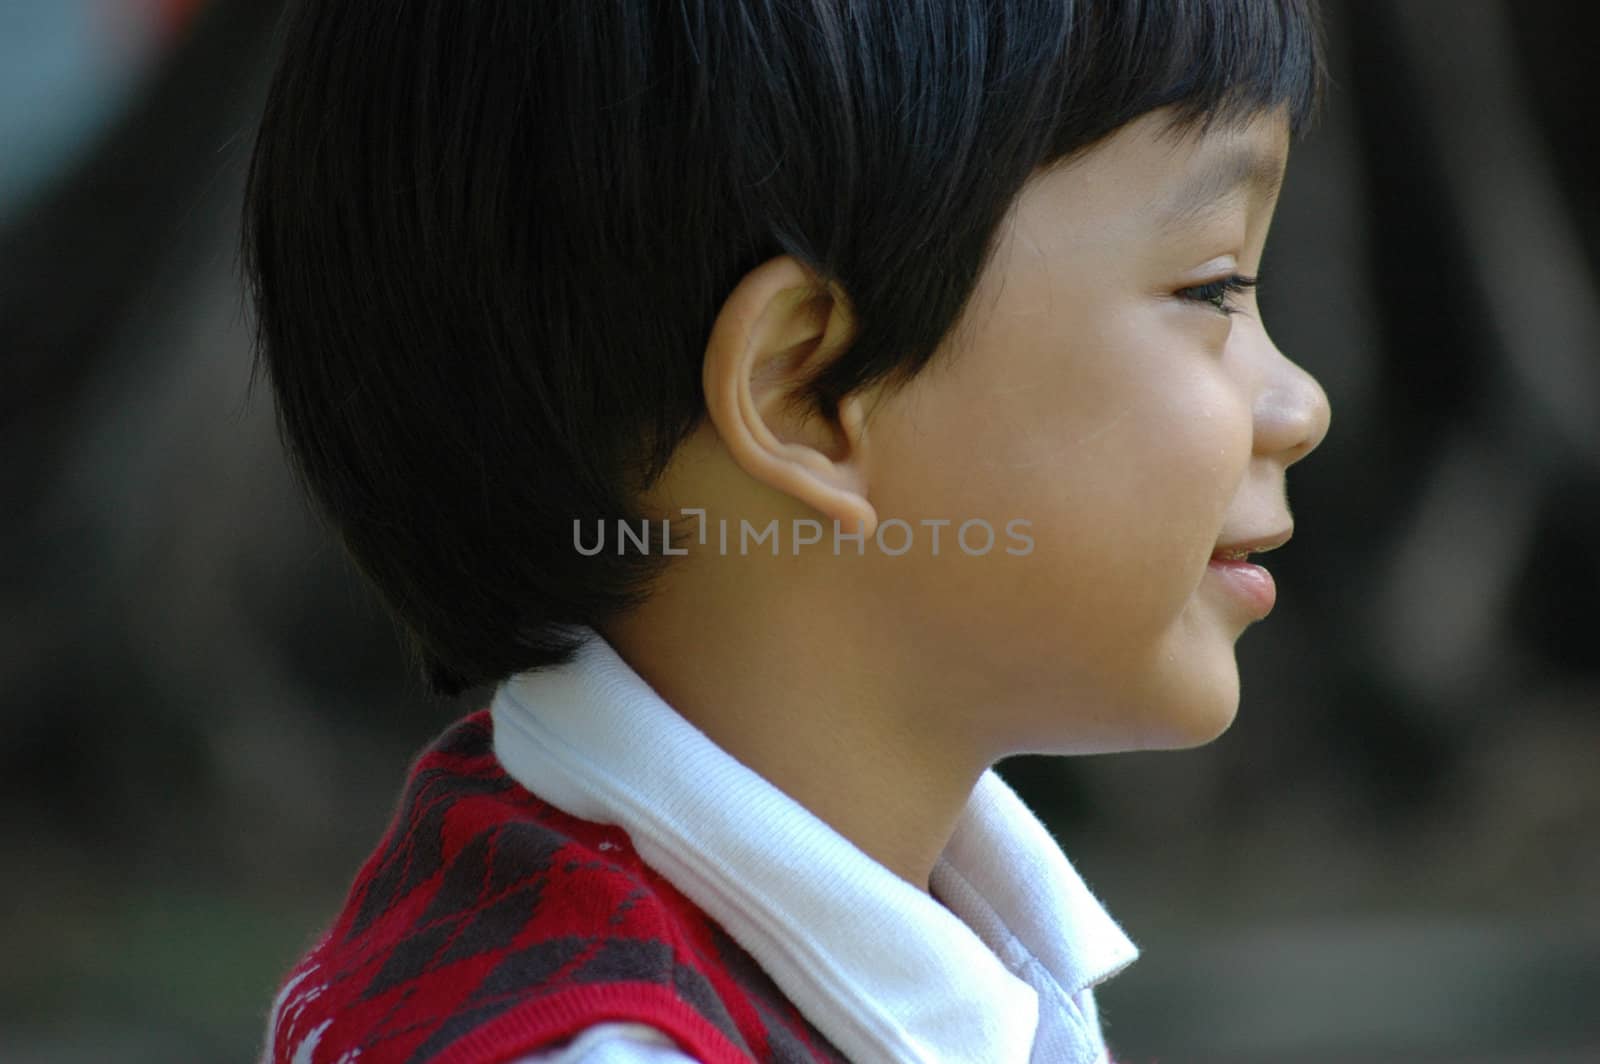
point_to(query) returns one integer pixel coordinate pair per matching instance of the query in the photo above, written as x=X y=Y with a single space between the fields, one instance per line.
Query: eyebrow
x=1241 y=169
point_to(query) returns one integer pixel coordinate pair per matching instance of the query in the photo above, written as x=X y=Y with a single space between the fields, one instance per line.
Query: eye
x=1218 y=293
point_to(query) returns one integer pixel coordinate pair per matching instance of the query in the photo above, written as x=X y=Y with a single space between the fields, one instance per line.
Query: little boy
x=793 y=408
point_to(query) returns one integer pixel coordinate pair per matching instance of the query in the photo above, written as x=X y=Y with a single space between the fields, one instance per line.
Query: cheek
x=1123 y=501
x=1132 y=522
x=1196 y=457
x=1122 y=451
x=1143 y=459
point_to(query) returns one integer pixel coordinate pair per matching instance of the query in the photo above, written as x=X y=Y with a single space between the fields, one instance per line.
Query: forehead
x=1175 y=176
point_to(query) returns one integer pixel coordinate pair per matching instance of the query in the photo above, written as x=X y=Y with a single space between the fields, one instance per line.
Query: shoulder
x=475 y=860
x=488 y=918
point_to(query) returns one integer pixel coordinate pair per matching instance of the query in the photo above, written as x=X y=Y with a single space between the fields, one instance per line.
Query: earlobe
x=776 y=329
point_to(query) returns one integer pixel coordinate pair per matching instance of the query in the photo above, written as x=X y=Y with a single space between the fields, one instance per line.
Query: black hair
x=486 y=242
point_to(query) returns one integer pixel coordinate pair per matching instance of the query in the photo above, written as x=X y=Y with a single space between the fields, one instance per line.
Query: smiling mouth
x=1247 y=583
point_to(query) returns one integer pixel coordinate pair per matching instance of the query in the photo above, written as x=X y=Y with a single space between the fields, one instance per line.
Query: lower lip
x=1249 y=583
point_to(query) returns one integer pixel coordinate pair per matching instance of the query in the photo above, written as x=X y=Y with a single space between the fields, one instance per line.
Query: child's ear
x=776 y=329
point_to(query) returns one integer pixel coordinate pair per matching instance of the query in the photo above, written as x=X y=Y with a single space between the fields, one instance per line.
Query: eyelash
x=1216 y=293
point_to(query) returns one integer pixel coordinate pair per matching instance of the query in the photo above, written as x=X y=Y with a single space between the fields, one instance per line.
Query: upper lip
x=1259 y=545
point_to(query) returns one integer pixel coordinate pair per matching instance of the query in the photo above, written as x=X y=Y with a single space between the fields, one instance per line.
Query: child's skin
x=1134 y=428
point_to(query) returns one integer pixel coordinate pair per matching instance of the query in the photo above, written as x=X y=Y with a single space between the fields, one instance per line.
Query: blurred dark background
x=1393 y=855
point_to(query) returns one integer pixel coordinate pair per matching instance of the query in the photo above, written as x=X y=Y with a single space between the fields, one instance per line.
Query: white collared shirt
x=1000 y=973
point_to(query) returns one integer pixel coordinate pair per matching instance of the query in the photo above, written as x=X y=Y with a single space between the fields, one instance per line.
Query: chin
x=1198 y=732
x=1198 y=712
x=1152 y=723
x=1183 y=705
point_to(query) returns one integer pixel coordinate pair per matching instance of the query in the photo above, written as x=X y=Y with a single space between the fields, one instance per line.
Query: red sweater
x=489 y=924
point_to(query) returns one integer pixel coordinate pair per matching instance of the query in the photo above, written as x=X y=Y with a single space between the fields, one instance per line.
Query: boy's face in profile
x=1110 y=383
x=1107 y=387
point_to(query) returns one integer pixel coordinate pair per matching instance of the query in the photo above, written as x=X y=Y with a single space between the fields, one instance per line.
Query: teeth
x=1234 y=555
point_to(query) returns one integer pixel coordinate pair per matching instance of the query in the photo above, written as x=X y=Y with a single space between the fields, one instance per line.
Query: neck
x=834 y=714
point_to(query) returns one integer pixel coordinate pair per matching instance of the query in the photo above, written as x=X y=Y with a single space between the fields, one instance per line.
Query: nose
x=1292 y=413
